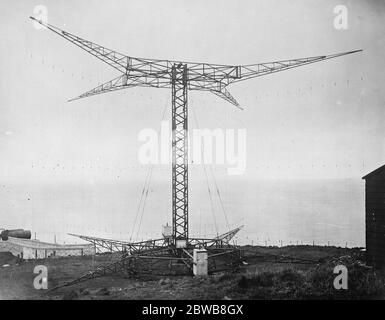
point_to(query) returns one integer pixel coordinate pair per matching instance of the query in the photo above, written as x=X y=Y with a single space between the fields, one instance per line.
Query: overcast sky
x=317 y=121
x=74 y=165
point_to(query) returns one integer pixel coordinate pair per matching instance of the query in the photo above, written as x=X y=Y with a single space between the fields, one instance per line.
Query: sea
x=273 y=212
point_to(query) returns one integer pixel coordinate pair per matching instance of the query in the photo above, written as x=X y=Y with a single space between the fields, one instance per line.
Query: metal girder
x=179 y=154
x=219 y=241
x=142 y=66
x=117 y=60
x=126 y=264
x=156 y=244
x=226 y=95
x=261 y=69
x=100 y=271
x=158 y=72
x=123 y=246
x=142 y=263
x=152 y=251
x=123 y=82
x=226 y=237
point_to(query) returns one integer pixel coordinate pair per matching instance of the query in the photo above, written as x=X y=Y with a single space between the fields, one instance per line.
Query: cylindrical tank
x=15 y=233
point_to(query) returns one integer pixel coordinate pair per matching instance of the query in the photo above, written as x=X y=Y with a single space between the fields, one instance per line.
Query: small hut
x=375 y=217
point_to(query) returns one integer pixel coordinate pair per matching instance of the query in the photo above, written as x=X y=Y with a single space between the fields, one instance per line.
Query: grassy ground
x=293 y=272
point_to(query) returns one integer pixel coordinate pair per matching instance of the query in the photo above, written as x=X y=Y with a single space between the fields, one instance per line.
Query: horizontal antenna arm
x=122 y=246
x=197 y=72
x=230 y=234
x=226 y=95
x=260 y=69
x=111 y=57
x=125 y=82
x=119 y=61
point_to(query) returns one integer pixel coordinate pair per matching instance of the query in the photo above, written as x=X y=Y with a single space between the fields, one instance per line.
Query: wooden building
x=375 y=217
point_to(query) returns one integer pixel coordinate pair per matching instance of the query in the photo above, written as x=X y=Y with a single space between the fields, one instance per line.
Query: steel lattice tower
x=180 y=77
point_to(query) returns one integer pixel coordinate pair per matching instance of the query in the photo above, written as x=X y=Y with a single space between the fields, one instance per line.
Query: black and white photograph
x=214 y=152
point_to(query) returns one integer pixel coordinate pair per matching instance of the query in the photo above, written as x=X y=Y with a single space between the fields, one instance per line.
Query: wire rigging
x=207 y=182
x=144 y=202
x=140 y=203
x=220 y=199
x=211 y=201
x=146 y=187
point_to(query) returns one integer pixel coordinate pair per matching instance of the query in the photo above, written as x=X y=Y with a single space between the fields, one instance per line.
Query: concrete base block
x=200 y=260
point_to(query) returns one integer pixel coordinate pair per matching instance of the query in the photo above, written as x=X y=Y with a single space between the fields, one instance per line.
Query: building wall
x=375 y=221
x=32 y=249
x=13 y=248
x=42 y=253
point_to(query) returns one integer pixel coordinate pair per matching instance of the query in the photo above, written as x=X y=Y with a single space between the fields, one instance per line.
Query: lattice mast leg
x=179 y=155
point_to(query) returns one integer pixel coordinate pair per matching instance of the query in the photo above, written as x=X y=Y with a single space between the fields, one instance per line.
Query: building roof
x=378 y=173
x=36 y=244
